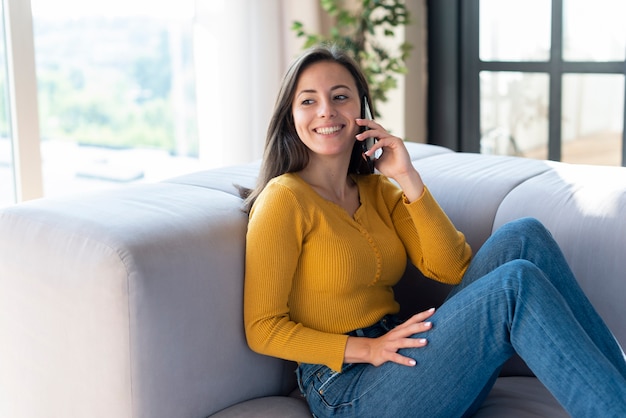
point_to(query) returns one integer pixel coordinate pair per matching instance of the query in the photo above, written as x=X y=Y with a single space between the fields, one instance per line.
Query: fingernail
x=422 y=340
x=428 y=324
x=412 y=362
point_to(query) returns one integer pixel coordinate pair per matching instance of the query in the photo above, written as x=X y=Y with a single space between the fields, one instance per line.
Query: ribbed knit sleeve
x=443 y=253
x=276 y=231
x=433 y=243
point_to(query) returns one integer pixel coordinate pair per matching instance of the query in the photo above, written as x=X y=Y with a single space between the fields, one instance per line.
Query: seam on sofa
x=211 y=187
x=515 y=187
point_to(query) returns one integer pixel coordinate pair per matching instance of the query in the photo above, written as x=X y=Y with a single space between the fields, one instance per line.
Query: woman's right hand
x=395 y=161
x=380 y=350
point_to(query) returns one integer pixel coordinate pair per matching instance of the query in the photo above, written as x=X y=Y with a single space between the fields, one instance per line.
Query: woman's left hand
x=395 y=161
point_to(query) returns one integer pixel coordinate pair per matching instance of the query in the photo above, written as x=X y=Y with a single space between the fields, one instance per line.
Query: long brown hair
x=284 y=151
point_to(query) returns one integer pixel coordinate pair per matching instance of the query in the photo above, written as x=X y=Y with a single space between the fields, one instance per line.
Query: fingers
x=384 y=349
x=396 y=357
x=387 y=148
x=404 y=336
x=404 y=361
x=369 y=123
x=374 y=131
x=417 y=323
x=422 y=316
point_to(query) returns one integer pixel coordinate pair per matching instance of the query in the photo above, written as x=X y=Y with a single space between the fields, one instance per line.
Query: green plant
x=358 y=26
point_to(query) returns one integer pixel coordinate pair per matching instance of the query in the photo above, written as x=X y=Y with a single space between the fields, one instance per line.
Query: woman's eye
x=341 y=97
x=307 y=102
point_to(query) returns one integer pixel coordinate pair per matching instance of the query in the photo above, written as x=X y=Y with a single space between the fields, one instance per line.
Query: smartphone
x=369 y=142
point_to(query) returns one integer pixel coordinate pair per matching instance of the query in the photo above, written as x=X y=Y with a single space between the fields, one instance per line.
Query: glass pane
x=594 y=30
x=116 y=91
x=593 y=113
x=514 y=113
x=513 y=30
x=7 y=179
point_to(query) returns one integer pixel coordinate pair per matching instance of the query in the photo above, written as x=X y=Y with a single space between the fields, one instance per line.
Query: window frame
x=457 y=46
x=22 y=100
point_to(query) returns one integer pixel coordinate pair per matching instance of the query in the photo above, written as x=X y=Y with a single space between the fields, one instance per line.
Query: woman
x=327 y=241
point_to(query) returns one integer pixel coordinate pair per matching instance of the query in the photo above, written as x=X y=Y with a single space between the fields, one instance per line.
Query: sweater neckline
x=332 y=204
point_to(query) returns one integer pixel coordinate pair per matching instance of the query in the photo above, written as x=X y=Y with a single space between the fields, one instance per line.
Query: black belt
x=381 y=327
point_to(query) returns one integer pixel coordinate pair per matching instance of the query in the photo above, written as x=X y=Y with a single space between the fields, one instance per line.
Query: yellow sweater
x=314 y=273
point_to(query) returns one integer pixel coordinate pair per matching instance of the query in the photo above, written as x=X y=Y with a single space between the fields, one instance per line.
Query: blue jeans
x=518 y=295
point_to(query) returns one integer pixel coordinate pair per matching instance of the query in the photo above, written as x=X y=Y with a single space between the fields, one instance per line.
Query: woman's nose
x=326 y=109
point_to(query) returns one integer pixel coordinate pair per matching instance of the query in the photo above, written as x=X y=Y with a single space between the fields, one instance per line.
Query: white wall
x=235 y=90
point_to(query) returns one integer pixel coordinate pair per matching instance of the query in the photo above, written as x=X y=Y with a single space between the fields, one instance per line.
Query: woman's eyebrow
x=338 y=86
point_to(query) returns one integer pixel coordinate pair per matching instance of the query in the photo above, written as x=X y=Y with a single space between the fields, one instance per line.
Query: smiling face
x=325 y=106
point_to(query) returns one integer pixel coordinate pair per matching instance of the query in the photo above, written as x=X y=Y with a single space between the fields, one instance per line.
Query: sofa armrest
x=126 y=304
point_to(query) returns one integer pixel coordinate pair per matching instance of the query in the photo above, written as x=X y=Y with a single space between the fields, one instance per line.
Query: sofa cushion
x=225 y=179
x=520 y=397
x=470 y=187
x=268 y=407
x=511 y=397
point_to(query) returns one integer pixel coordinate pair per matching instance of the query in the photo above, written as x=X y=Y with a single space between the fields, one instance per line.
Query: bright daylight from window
x=116 y=91
x=515 y=105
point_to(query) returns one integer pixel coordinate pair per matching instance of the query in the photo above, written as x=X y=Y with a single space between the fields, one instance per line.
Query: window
x=514 y=118
x=137 y=91
x=116 y=92
x=537 y=78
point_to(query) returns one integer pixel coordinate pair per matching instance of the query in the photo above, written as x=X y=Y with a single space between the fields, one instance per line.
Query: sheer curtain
x=242 y=49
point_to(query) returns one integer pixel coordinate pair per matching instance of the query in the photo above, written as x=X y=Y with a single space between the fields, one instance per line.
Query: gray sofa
x=128 y=303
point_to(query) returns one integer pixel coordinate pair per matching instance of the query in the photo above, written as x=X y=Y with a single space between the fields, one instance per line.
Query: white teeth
x=328 y=131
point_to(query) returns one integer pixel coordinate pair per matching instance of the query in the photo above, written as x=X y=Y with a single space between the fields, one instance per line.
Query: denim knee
x=530 y=232
x=515 y=272
x=527 y=226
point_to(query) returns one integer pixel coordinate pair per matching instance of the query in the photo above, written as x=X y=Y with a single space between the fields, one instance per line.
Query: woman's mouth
x=327 y=130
